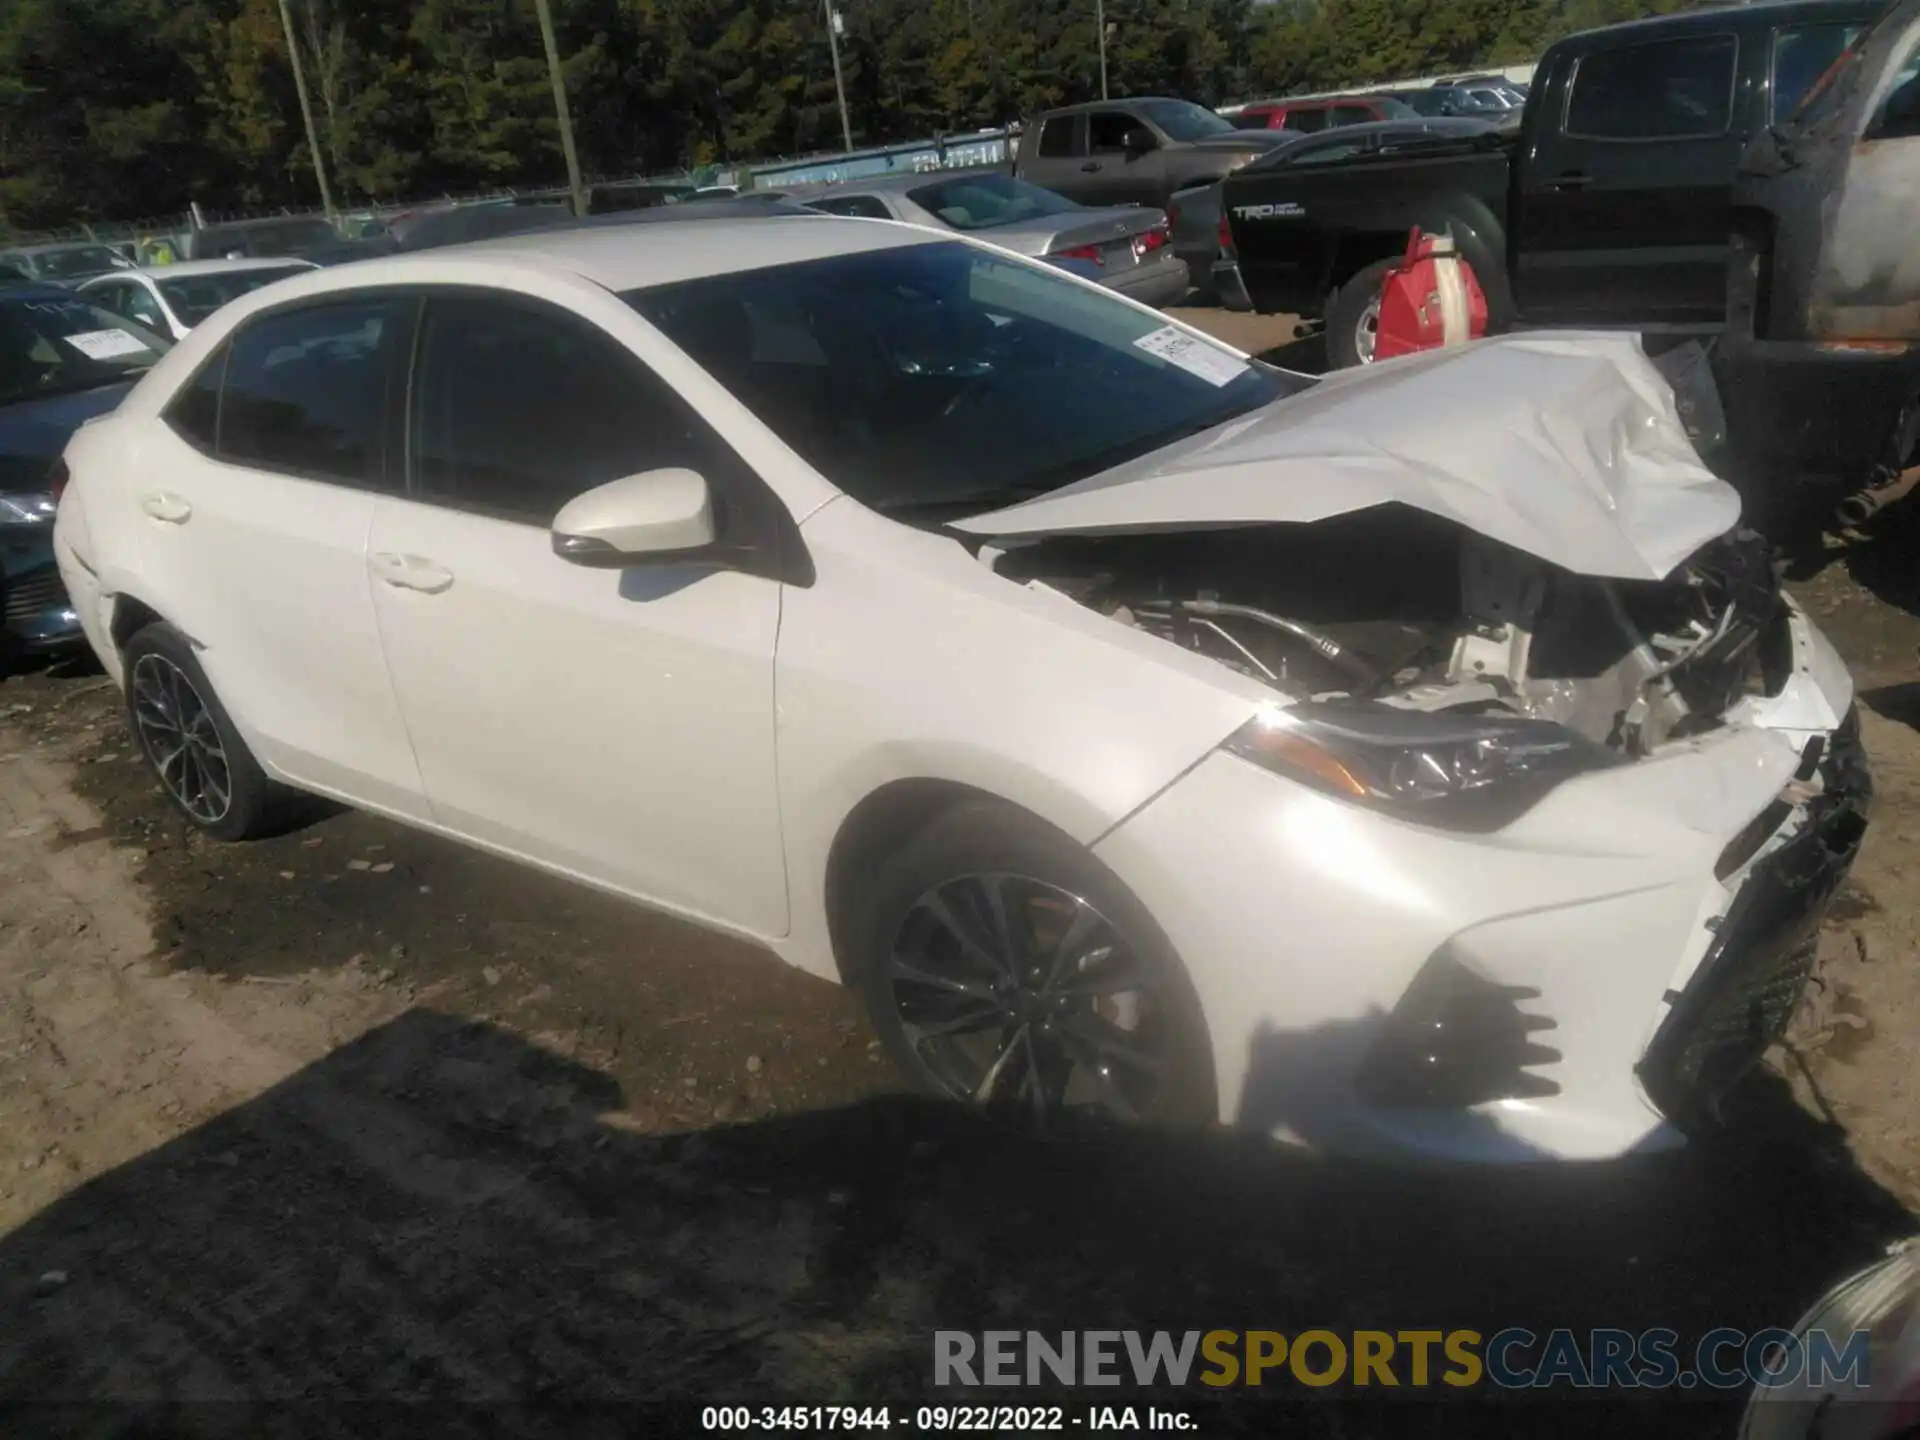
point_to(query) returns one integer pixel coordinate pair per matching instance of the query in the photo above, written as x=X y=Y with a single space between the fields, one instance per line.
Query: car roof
x=1733 y=14
x=634 y=255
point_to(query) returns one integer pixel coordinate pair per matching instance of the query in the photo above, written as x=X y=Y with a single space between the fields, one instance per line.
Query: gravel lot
x=356 y=1114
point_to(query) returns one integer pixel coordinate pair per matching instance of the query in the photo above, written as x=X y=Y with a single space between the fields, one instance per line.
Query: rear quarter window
x=1676 y=89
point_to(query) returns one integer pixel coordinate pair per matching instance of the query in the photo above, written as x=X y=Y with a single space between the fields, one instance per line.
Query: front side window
x=983 y=202
x=941 y=377
x=194 y=297
x=1666 y=90
x=67 y=343
x=1057 y=138
x=518 y=408
x=1107 y=132
x=1305 y=122
x=306 y=390
x=72 y=262
x=1801 y=55
x=1351 y=115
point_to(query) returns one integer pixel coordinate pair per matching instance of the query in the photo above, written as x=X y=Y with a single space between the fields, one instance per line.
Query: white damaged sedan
x=1418 y=759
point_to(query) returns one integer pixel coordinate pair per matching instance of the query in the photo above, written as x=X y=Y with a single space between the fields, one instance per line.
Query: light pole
x=560 y=107
x=1100 y=24
x=306 y=110
x=839 y=85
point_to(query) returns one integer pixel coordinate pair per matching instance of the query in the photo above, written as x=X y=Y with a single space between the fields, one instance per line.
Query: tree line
x=116 y=109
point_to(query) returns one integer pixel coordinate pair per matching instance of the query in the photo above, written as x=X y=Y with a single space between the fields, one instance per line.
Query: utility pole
x=839 y=85
x=306 y=109
x=559 y=107
x=1100 y=24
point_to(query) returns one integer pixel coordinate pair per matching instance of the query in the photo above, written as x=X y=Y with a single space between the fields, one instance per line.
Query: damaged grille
x=1746 y=989
x=27 y=595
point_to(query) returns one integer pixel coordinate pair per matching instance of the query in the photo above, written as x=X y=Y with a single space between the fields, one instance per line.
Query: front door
x=1624 y=200
x=615 y=724
x=1123 y=175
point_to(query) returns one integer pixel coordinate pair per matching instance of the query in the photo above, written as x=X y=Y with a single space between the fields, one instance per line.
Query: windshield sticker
x=1193 y=355
x=107 y=344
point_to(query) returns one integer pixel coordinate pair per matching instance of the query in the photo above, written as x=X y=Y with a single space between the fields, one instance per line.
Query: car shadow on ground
x=440 y=1216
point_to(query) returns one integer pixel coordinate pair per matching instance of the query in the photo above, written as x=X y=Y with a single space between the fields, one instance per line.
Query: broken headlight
x=1467 y=772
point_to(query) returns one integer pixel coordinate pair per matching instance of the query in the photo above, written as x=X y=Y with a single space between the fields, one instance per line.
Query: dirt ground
x=356 y=1115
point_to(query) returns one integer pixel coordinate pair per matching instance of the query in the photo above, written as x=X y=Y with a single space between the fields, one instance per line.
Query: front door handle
x=1090 y=166
x=1572 y=180
x=410 y=572
x=166 y=507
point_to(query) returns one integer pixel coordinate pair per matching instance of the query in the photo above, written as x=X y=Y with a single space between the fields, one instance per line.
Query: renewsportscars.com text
x=1515 y=1358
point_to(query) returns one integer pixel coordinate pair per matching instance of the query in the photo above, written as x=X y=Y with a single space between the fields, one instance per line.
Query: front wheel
x=1005 y=967
x=1353 y=319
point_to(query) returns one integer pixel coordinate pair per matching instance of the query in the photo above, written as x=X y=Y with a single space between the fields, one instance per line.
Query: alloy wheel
x=1366 y=332
x=178 y=733
x=1015 y=995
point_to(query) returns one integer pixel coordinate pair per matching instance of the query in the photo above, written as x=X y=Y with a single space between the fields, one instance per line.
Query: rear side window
x=1306 y=122
x=306 y=390
x=1666 y=90
x=1252 y=119
x=1352 y=114
x=1056 y=137
x=519 y=408
x=1800 y=57
x=194 y=413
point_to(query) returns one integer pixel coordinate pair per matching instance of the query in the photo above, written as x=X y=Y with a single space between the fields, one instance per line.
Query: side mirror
x=1139 y=141
x=657 y=514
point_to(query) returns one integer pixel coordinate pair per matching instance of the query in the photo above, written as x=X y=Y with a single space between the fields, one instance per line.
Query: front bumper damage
x=1607 y=964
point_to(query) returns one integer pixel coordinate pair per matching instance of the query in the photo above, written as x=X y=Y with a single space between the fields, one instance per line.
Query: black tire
x=211 y=778
x=1116 y=1005
x=1348 y=310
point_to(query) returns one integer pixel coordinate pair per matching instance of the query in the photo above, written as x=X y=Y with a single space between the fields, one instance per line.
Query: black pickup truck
x=1610 y=206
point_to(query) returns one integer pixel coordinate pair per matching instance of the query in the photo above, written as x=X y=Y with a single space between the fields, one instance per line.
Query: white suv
x=1413 y=759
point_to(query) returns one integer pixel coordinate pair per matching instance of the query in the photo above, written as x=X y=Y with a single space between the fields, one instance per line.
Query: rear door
x=1056 y=156
x=1623 y=199
x=256 y=505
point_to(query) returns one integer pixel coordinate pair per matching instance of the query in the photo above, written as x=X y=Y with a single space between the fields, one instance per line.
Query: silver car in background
x=1127 y=248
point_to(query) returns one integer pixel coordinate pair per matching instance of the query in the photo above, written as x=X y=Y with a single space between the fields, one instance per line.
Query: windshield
x=945 y=377
x=53 y=346
x=1182 y=119
x=981 y=202
x=74 y=260
x=192 y=298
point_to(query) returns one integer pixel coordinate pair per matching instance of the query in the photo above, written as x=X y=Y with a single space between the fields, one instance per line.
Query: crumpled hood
x=1565 y=444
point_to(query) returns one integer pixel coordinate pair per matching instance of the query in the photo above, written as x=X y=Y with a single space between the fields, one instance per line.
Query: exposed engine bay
x=1398 y=607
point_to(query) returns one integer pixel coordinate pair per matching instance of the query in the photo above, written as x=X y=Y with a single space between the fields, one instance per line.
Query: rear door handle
x=166 y=507
x=410 y=572
x=1572 y=180
x=1090 y=166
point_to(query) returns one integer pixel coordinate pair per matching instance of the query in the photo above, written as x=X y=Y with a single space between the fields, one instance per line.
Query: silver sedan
x=1127 y=248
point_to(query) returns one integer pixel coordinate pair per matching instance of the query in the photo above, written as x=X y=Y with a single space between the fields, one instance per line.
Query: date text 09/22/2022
x=936 y=1419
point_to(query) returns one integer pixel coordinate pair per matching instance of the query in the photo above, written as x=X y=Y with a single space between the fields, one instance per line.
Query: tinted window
x=981 y=202
x=194 y=413
x=306 y=390
x=518 y=409
x=864 y=206
x=1252 y=119
x=1056 y=136
x=1306 y=122
x=1669 y=90
x=1107 y=131
x=1351 y=115
x=941 y=377
x=1801 y=56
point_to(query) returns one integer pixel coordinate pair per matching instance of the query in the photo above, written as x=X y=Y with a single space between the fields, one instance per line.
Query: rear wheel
x=190 y=743
x=1353 y=319
x=1005 y=967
